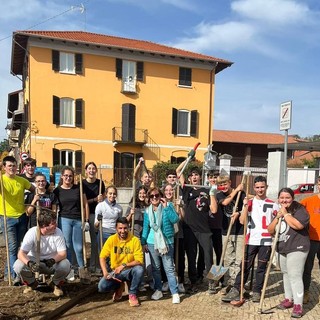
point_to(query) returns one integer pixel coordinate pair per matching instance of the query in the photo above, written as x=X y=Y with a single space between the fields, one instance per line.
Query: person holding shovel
x=70 y=221
x=126 y=260
x=91 y=188
x=258 y=214
x=293 y=248
x=53 y=254
x=12 y=210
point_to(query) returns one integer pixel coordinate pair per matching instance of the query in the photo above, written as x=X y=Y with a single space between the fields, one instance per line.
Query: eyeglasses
x=68 y=176
x=40 y=181
x=154 y=196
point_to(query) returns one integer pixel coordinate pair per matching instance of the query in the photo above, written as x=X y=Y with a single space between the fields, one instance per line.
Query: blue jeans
x=16 y=229
x=105 y=236
x=134 y=275
x=72 y=231
x=168 y=265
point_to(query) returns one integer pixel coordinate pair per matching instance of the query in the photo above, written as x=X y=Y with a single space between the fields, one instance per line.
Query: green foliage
x=311 y=163
x=4 y=145
x=57 y=168
x=159 y=170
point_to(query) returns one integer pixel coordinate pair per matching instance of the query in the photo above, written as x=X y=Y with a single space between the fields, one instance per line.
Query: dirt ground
x=15 y=305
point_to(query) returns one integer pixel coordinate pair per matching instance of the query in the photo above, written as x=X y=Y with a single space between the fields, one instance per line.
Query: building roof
x=20 y=39
x=249 y=137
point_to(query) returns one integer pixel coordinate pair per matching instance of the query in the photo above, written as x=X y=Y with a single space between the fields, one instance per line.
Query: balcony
x=129 y=136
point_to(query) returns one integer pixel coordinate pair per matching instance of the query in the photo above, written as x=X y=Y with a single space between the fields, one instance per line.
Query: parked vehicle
x=303 y=188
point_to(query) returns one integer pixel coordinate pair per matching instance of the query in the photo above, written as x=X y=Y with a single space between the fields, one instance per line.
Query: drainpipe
x=212 y=75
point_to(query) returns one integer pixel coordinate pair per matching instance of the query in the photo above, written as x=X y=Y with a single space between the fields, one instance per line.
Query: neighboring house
x=248 y=149
x=92 y=97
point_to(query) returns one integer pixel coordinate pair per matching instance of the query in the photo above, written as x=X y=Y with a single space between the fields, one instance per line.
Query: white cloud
x=273 y=11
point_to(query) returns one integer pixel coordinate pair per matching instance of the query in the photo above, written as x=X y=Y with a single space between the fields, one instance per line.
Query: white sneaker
x=181 y=288
x=157 y=295
x=70 y=277
x=165 y=287
x=175 y=298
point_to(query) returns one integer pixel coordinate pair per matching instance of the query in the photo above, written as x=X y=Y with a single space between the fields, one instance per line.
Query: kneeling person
x=53 y=254
x=126 y=258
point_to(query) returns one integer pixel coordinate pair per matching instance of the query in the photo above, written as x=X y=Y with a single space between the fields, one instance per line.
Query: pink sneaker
x=133 y=300
x=297 y=311
x=285 y=304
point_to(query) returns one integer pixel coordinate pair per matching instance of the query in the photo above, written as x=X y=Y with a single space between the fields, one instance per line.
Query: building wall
x=100 y=89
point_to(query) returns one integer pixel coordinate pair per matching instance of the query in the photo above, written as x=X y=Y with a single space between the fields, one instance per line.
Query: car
x=301 y=188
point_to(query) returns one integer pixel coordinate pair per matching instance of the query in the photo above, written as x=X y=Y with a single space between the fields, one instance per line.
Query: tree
x=4 y=146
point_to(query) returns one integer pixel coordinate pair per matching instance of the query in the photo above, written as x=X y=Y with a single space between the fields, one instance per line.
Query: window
x=185 y=77
x=68 y=112
x=184 y=122
x=130 y=72
x=68 y=157
x=67 y=62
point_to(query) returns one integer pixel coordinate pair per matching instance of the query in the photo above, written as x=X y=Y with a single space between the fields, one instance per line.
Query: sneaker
x=175 y=298
x=297 y=311
x=165 y=287
x=71 y=277
x=142 y=288
x=233 y=294
x=157 y=295
x=306 y=297
x=17 y=281
x=256 y=296
x=57 y=291
x=225 y=290
x=118 y=293
x=133 y=300
x=285 y=304
x=181 y=288
x=30 y=287
x=212 y=287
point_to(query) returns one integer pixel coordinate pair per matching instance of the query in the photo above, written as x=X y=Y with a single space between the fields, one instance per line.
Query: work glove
x=99 y=217
x=86 y=226
x=34 y=267
x=49 y=262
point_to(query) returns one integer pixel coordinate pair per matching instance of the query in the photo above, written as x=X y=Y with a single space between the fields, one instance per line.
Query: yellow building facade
x=89 y=97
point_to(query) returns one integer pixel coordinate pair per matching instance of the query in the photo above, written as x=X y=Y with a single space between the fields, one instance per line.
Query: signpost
x=285 y=124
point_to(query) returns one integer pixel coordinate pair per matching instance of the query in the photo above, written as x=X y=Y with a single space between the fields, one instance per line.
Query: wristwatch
x=124 y=265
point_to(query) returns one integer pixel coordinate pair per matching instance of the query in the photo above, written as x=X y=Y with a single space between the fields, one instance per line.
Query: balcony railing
x=122 y=135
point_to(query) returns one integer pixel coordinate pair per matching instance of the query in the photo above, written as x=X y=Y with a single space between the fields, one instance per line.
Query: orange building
x=92 y=97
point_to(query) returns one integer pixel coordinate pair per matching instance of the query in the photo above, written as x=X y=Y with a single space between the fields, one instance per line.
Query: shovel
x=218 y=271
x=84 y=274
x=273 y=250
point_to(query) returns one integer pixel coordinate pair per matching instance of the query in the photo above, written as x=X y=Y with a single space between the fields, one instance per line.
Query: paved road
x=198 y=306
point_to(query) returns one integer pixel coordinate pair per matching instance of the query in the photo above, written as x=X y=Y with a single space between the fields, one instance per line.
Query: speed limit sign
x=24 y=156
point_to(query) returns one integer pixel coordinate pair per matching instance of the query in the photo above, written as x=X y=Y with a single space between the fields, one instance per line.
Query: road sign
x=24 y=155
x=285 y=115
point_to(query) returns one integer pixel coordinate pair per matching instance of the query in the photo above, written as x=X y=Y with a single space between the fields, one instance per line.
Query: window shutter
x=78 y=162
x=116 y=167
x=185 y=76
x=140 y=71
x=78 y=63
x=119 y=68
x=174 y=129
x=79 y=113
x=194 y=123
x=56 y=110
x=55 y=157
x=128 y=122
x=55 y=60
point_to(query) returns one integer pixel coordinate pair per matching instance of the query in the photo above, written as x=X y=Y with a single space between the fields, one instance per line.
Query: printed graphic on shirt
x=202 y=201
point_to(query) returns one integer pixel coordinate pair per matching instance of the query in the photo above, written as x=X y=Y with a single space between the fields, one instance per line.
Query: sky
x=274 y=45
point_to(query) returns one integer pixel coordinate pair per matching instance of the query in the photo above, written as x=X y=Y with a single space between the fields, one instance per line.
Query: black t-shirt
x=197 y=203
x=46 y=201
x=69 y=202
x=226 y=212
x=91 y=191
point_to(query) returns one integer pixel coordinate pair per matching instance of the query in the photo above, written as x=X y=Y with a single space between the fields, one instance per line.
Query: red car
x=303 y=188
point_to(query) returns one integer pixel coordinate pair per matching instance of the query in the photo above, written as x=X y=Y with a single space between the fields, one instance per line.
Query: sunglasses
x=154 y=196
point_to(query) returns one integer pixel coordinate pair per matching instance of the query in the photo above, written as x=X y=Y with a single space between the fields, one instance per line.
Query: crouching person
x=53 y=254
x=126 y=259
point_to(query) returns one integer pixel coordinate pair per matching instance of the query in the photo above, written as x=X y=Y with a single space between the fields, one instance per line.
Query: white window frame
x=67 y=117
x=67 y=157
x=67 y=63
x=129 y=76
x=188 y=122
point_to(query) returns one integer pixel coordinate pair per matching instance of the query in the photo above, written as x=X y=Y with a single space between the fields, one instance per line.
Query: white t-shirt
x=50 y=245
x=110 y=214
x=260 y=213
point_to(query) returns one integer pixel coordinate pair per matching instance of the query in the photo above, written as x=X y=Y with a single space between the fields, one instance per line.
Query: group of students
x=182 y=218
